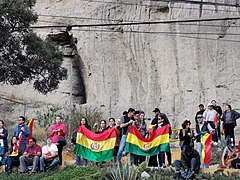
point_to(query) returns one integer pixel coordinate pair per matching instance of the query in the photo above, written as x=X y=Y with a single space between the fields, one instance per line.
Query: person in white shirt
x=209 y=115
x=49 y=158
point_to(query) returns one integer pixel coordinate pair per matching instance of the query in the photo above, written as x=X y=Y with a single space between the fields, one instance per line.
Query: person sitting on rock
x=189 y=164
x=49 y=158
x=229 y=154
x=31 y=157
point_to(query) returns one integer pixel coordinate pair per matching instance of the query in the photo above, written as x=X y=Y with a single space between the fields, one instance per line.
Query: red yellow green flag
x=30 y=125
x=95 y=147
x=158 y=142
x=217 y=116
x=206 y=141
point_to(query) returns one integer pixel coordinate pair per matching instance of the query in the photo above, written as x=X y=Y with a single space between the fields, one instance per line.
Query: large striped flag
x=30 y=125
x=95 y=147
x=206 y=141
x=158 y=142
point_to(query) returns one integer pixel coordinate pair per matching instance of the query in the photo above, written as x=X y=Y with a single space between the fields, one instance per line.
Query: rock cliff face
x=172 y=66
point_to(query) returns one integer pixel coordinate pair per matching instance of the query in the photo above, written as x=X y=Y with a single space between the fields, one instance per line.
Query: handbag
x=62 y=141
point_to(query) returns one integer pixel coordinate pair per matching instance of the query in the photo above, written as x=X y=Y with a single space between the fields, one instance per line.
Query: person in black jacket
x=3 y=142
x=229 y=118
x=200 y=112
x=219 y=111
x=189 y=164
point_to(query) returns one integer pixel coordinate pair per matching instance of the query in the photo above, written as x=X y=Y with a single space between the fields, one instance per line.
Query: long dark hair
x=86 y=123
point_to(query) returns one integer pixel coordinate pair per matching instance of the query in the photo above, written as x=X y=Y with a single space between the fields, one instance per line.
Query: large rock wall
x=174 y=69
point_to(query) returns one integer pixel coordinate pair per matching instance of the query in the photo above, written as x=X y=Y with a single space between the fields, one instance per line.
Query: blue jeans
x=161 y=159
x=23 y=146
x=11 y=161
x=53 y=164
x=199 y=149
x=121 y=148
x=78 y=161
x=178 y=164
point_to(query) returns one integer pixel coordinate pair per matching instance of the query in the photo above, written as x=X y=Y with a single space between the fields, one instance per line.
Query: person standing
x=58 y=132
x=3 y=141
x=141 y=125
x=229 y=118
x=219 y=111
x=84 y=122
x=209 y=115
x=186 y=135
x=112 y=124
x=166 y=121
x=22 y=127
x=201 y=111
x=125 y=125
x=201 y=126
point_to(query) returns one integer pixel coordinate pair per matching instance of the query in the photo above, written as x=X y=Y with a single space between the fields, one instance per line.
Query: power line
x=162 y=33
x=141 y=23
x=98 y=19
x=168 y=1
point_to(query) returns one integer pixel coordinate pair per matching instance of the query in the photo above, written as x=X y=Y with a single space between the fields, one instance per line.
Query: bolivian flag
x=206 y=141
x=95 y=147
x=158 y=142
x=30 y=125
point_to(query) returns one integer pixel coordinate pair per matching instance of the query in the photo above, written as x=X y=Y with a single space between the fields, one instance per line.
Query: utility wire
x=168 y=1
x=162 y=33
x=98 y=19
x=141 y=23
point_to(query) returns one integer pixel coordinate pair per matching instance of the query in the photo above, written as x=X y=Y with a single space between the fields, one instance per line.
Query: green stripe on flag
x=134 y=149
x=90 y=155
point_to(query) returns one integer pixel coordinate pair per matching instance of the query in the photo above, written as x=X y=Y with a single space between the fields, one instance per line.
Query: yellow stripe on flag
x=203 y=140
x=131 y=138
x=96 y=146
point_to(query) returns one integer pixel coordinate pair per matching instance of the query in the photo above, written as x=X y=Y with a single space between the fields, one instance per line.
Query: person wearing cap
x=201 y=111
x=189 y=164
x=22 y=127
x=209 y=116
x=201 y=126
x=229 y=154
x=158 y=113
x=229 y=118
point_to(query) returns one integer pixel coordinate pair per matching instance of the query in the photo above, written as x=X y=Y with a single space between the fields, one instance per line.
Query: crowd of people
x=34 y=158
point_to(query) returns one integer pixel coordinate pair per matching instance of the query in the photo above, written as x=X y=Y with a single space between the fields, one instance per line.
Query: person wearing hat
x=201 y=126
x=189 y=164
x=209 y=116
x=229 y=154
x=201 y=111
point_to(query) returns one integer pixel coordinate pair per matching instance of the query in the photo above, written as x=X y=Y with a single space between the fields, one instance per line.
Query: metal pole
x=71 y=86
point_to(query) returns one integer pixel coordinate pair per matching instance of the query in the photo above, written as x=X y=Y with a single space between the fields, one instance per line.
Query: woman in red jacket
x=58 y=132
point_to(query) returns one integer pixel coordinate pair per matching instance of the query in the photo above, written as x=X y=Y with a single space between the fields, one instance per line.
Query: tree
x=25 y=57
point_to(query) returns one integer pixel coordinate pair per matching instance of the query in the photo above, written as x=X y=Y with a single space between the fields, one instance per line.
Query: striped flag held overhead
x=95 y=147
x=158 y=142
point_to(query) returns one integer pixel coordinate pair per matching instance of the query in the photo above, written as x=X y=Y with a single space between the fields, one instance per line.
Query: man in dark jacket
x=219 y=111
x=189 y=164
x=229 y=118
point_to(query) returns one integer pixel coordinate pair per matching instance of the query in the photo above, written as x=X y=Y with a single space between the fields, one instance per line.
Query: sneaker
x=215 y=143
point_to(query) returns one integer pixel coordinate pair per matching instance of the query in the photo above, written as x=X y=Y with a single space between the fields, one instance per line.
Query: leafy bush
x=71 y=118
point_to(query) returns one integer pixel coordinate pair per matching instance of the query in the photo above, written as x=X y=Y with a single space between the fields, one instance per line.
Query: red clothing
x=61 y=132
x=32 y=151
